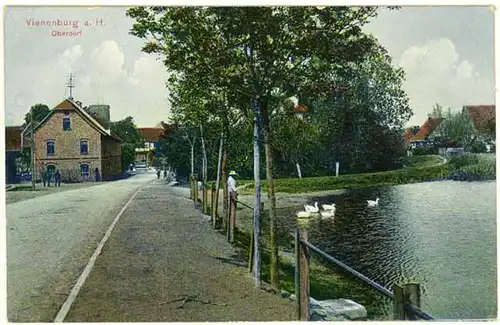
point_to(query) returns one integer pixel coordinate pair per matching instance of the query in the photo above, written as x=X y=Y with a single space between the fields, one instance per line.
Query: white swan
x=312 y=209
x=372 y=203
x=327 y=213
x=303 y=214
x=328 y=206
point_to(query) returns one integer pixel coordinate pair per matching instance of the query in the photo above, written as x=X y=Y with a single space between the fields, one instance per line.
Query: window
x=66 y=123
x=51 y=147
x=84 y=147
x=84 y=169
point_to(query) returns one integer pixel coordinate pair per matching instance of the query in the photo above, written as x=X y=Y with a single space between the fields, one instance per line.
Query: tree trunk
x=192 y=157
x=225 y=200
x=219 y=166
x=273 y=240
x=204 y=159
x=298 y=170
x=256 y=211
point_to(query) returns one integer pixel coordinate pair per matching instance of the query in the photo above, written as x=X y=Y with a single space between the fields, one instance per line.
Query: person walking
x=165 y=173
x=57 y=178
x=158 y=172
x=44 y=177
x=49 y=177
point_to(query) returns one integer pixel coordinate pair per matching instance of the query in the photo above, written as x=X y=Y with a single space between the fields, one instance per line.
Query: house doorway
x=51 y=169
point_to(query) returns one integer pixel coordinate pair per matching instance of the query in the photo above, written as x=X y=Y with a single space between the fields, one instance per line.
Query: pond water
x=440 y=234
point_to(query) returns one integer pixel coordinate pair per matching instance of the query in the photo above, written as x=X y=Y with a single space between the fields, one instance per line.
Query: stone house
x=71 y=139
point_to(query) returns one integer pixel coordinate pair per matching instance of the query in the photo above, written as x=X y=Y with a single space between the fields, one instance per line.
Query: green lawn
x=418 y=169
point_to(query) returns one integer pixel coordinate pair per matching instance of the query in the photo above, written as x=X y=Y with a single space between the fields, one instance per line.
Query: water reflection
x=440 y=234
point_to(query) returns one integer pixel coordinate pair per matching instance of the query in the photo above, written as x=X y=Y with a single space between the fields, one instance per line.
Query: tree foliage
x=40 y=111
x=131 y=139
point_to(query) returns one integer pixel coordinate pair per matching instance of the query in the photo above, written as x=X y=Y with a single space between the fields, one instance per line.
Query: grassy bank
x=325 y=283
x=417 y=169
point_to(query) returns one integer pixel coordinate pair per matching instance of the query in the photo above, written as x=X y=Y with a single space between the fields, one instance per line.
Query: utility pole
x=33 y=167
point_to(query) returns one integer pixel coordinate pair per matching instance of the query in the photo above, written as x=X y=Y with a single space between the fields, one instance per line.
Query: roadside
x=162 y=263
x=24 y=192
x=49 y=241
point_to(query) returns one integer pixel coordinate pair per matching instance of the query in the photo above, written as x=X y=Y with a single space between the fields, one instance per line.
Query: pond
x=440 y=234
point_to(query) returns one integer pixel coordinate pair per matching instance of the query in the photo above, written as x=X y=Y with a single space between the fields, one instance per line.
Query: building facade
x=12 y=154
x=70 y=139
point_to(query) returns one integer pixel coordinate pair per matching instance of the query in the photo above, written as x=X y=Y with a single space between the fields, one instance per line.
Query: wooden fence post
x=407 y=293
x=302 y=275
x=399 y=305
x=412 y=295
x=214 y=217
x=195 y=188
x=205 y=199
x=232 y=213
x=191 y=186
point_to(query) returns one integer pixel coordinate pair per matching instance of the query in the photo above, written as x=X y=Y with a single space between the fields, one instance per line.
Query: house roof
x=300 y=109
x=427 y=128
x=482 y=116
x=13 y=137
x=70 y=104
x=151 y=134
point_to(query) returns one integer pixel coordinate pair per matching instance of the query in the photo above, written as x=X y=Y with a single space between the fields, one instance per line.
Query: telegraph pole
x=33 y=167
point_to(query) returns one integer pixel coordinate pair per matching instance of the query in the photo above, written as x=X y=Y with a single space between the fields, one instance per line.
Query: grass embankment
x=325 y=283
x=469 y=167
x=419 y=169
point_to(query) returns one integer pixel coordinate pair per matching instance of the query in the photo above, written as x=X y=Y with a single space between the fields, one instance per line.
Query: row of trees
x=233 y=72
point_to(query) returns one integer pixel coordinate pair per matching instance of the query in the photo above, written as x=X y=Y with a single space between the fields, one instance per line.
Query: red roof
x=483 y=117
x=151 y=134
x=427 y=128
x=300 y=109
x=13 y=137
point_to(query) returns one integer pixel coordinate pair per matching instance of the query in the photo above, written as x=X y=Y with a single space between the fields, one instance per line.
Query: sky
x=446 y=52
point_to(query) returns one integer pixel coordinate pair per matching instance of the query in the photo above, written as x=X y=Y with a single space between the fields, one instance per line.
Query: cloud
x=100 y=77
x=435 y=73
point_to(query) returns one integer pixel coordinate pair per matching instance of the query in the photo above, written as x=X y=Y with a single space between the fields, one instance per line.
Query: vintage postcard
x=232 y=163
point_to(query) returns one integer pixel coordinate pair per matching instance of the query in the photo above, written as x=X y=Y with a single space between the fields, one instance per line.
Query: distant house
x=415 y=138
x=152 y=137
x=72 y=140
x=483 y=118
x=13 y=150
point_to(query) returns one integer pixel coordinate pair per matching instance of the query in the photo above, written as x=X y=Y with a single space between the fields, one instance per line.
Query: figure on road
x=49 y=177
x=44 y=177
x=97 y=175
x=158 y=172
x=231 y=182
x=57 y=178
x=165 y=173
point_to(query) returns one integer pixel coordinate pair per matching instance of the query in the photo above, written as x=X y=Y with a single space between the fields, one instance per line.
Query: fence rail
x=406 y=297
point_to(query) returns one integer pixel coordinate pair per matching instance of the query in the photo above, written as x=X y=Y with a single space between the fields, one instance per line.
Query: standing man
x=49 y=177
x=158 y=172
x=165 y=173
x=57 y=178
x=231 y=182
x=44 y=177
